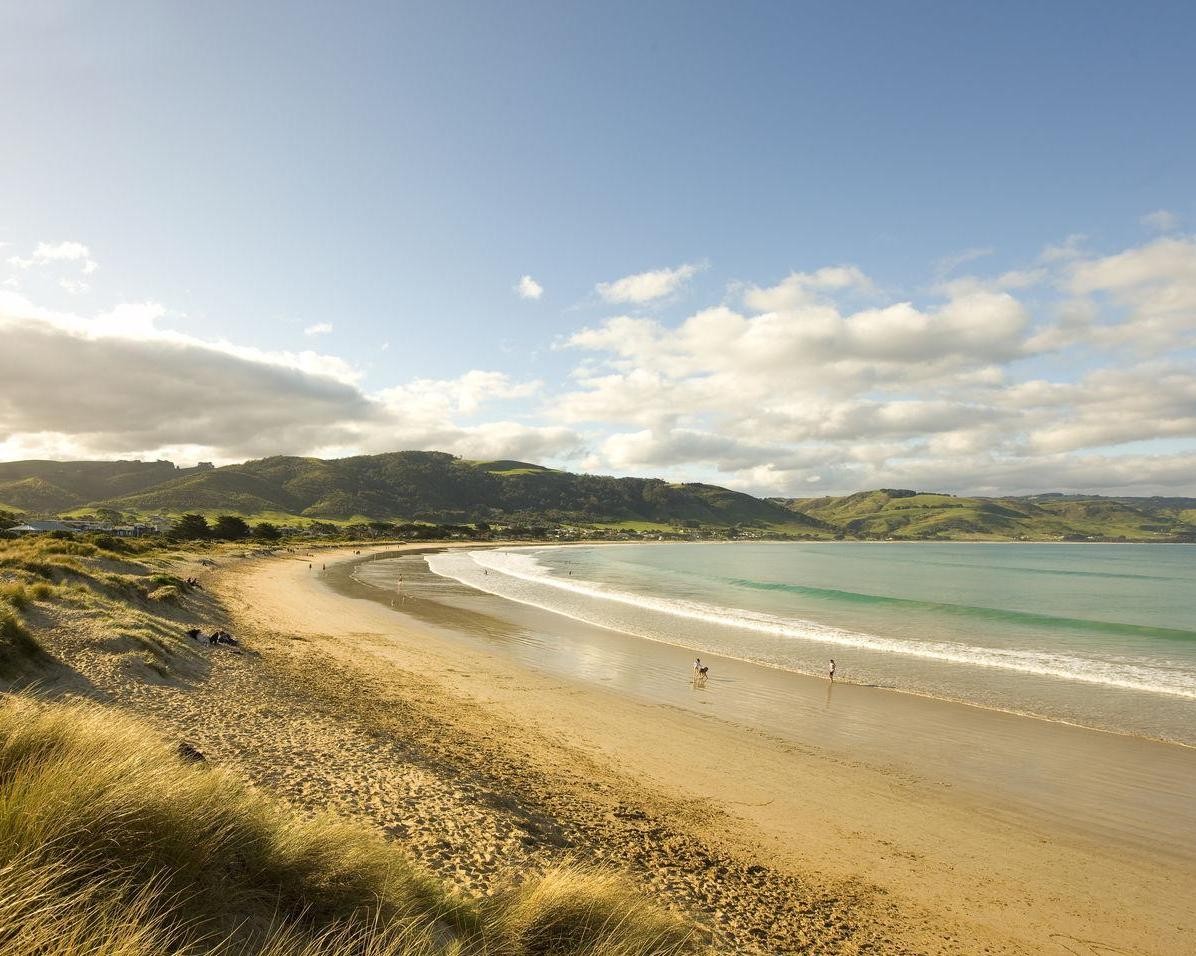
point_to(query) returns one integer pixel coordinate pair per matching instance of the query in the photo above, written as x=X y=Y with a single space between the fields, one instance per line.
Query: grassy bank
x=111 y=842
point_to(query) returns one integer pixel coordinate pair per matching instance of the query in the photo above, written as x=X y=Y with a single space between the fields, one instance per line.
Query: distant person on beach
x=831 y=675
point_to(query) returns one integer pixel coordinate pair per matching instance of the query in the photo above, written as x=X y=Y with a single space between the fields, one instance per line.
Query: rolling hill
x=437 y=487
x=433 y=486
x=904 y=514
x=55 y=486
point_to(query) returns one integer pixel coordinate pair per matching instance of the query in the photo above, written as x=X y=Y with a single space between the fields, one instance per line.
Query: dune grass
x=111 y=844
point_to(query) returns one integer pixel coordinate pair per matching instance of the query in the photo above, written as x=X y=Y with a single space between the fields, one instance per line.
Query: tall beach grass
x=112 y=844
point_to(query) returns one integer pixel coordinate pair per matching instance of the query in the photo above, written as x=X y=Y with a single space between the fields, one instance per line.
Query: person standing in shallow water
x=831 y=675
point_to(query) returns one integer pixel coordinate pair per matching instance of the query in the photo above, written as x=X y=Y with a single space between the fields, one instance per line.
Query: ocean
x=1103 y=636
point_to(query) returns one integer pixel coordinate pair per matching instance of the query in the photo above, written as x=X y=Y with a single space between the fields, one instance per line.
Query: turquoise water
x=1099 y=635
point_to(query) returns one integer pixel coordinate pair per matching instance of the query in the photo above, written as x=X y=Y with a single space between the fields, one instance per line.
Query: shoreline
x=919 y=857
x=768 y=665
x=1037 y=766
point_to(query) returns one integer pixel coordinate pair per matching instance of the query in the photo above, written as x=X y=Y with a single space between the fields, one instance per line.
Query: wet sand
x=481 y=749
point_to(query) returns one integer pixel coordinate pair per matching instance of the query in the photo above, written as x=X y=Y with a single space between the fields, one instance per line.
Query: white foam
x=517 y=575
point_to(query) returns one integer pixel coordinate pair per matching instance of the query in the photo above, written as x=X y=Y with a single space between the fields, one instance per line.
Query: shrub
x=265 y=531
x=107 y=542
x=567 y=911
x=42 y=591
x=191 y=527
x=15 y=595
x=230 y=528
x=18 y=648
x=168 y=594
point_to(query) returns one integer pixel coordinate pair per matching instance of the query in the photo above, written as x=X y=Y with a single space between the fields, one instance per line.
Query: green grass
x=110 y=844
x=632 y=525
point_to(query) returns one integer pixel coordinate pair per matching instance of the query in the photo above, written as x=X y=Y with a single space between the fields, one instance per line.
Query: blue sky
x=237 y=174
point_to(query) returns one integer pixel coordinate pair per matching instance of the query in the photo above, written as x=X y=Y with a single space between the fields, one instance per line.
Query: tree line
x=195 y=527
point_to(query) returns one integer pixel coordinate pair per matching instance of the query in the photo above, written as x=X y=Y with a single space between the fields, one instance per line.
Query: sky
x=790 y=248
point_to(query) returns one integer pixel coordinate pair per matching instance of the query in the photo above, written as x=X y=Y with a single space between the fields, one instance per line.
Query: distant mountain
x=900 y=513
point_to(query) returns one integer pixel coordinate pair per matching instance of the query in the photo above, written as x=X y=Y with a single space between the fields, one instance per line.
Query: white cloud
x=528 y=288
x=1069 y=248
x=1153 y=285
x=798 y=387
x=948 y=264
x=647 y=286
x=54 y=252
x=1006 y=281
x=464 y=395
x=70 y=251
x=114 y=384
x=802 y=288
x=320 y=328
x=1161 y=220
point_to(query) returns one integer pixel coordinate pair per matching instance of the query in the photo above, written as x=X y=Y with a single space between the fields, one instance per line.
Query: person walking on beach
x=832 y=671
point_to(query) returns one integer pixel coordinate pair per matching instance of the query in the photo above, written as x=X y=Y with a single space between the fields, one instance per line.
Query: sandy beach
x=771 y=842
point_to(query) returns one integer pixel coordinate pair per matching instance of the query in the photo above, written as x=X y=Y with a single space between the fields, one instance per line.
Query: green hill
x=441 y=488
x=899 y=513
x=54 y=486
x=433 y=486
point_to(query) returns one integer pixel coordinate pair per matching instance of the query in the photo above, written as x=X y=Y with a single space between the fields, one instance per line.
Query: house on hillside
x=90 y=526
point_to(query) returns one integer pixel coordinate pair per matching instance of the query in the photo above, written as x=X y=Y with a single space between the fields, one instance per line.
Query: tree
x=264 y=531
x=230 y=528
x=190 y=528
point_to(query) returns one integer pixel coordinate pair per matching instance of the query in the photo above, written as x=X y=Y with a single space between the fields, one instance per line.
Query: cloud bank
x=115 y=385
x=1074 y=371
